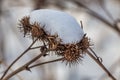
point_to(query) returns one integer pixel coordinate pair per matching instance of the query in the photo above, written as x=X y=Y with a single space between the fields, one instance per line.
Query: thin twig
x=25 y=66
x=81 y=24
x=94 y=14
x=112 y=68
x=36 y=47
x=19 y=77
x=101 y=65
x=17 y=59
x=46 y=62
x=93 y=52
x=107 y=12
x=98 y=58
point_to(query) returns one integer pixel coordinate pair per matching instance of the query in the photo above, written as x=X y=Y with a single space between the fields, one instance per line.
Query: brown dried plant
x=72 y=53
x=69 y=53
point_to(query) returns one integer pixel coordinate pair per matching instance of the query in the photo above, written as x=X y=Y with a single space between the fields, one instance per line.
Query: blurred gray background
x=101 y=22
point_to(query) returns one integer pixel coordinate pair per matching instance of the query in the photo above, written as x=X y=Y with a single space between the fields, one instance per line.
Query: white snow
x=60 y=23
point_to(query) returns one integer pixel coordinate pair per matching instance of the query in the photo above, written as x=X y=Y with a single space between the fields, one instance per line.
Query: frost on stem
x=59 y=31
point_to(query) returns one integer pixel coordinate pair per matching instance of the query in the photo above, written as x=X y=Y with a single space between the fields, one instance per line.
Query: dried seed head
x=36 y=31
x=33 y=30
x=25 y=25
x=85 y=43
x=72 y=53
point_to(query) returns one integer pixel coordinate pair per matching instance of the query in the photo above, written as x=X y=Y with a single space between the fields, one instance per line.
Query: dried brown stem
x=112 y=68
x=17 y=59
x=36 y=47
x=19 y=77
x=24 y=67
x=60 y=59
x=94 y=14
x=101 y=65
